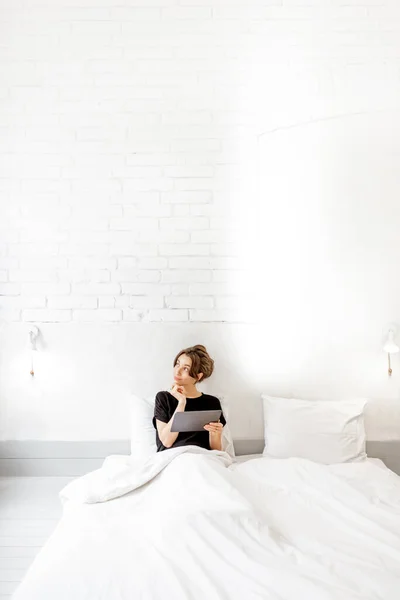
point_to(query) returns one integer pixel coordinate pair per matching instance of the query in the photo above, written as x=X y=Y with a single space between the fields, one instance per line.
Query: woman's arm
x=167 y=437
x=216 y=441
x=215 y=433
x=164 y=429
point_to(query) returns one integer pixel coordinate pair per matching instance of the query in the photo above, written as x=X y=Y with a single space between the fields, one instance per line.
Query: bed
x=202 y=526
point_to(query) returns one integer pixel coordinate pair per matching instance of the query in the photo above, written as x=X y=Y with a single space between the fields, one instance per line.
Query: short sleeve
x=161 y=409
x=222 y=417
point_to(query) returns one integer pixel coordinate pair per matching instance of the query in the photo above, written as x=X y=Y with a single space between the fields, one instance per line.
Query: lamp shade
x=390 y=346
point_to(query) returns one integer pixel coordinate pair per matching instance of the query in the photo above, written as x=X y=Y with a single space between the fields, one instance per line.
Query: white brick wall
x=133 y=174
x=124 y=129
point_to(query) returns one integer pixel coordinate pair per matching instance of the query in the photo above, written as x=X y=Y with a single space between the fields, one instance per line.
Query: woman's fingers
x=214 y=427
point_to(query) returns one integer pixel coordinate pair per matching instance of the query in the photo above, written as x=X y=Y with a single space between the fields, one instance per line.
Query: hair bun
x=201 y=361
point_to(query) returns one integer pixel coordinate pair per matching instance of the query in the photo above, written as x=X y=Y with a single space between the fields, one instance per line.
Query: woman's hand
x=214 y=428
x=178 y=392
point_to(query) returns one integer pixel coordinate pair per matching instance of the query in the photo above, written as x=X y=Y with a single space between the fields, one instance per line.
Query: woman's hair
x=201 y=361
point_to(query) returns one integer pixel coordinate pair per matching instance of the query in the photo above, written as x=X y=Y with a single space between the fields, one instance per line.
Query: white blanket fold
x=120 y=474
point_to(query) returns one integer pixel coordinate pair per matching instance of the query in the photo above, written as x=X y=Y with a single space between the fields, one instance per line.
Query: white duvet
x=189 y=524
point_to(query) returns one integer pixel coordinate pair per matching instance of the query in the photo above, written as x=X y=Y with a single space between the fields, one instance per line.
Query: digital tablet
x=194 y=420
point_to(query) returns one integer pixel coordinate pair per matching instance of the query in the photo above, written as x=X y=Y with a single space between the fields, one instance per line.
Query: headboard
x=74 y=458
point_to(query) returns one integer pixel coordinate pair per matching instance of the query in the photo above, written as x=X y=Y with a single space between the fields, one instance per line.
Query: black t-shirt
x=165 y=407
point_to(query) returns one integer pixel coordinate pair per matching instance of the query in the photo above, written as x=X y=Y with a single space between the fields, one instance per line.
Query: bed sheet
x=245 y=457
x=261 y=528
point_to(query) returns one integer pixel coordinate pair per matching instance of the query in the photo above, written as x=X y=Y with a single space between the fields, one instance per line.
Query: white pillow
x=324 y=431
x=143 y=433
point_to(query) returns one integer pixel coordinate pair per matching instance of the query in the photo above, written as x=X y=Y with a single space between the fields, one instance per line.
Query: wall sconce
x=33 y=333
x=390 y=347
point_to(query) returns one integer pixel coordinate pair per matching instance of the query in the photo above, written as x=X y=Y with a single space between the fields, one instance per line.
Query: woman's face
x=182 y=370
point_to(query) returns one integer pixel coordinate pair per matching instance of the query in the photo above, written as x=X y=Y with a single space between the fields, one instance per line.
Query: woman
x=191 y=365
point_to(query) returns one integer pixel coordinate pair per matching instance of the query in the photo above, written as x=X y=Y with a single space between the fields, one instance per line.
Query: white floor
x=29 y=511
